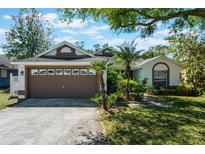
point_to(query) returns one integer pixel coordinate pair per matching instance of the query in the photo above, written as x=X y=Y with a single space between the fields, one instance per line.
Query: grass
x=4 y=99
x=184 y=123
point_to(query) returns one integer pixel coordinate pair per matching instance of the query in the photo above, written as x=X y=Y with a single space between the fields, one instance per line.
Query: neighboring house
x=64 y=72
x=5 y=69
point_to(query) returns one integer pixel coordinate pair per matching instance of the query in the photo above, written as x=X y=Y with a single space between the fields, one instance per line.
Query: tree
x=96 y=47
x=106 y=45
x=146 y=21
x=80 y=44
x=127 y=54
x=100 y=67
x=189 y=49
x=28 y=36
x=155 y=51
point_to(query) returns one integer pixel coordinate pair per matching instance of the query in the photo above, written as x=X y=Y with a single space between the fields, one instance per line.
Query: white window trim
x=78 y=72
x=32 y=72
x=50 y=70
x=92 y=72
x=59 y=73
x=42 y=70
x=67 y=73
x=82 y=70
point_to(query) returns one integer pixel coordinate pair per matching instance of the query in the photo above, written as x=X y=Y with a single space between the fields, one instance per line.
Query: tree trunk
x=102 y=93
x=128 y=82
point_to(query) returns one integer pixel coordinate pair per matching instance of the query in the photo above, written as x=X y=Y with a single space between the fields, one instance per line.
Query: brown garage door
x=45 y=85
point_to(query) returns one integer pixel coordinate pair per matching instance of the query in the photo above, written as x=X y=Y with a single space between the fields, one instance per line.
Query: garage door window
x=51 y=71
x=67 y=71
x=42 y=71
x=92 y=72
x=75 y=71
x=34 y=72
x=59 y=71
x=83 y=72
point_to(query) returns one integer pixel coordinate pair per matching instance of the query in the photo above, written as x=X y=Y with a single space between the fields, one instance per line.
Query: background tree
x=127 y=54
x=80 y=44
x=189 y=49
x=146 y=21
x=106 y=45
x=96 y=47
x=28 y=36
x=100 y=67
x=155 y=51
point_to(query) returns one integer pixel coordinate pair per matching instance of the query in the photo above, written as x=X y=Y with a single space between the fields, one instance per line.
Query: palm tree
x=99 y=67
x=127 y=54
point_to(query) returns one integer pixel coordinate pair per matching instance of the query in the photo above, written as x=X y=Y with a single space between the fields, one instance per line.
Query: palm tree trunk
x=128 y=82
x=102 y=93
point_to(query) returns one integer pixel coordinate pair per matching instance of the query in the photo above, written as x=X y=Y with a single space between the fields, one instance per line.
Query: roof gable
x=106 y=52
x=139 y=64
x=64 y=43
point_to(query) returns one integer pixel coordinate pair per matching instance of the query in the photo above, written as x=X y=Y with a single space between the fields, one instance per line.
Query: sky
x=88 y=31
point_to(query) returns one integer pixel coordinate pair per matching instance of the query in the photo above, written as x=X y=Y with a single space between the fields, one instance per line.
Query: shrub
x=181 y=90
x=114 y=98
x=136 y=90
x=133 y=86
x=97 y=99
x=113 y=78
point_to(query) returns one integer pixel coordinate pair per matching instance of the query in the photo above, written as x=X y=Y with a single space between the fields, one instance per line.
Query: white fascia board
x=52 y=63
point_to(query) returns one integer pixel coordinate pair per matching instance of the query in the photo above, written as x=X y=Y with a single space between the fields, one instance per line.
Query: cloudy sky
x=90 y=32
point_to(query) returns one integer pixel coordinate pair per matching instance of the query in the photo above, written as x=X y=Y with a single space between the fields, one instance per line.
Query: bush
x=136 y=90
x=114 y=98
x=180 y=90
x=97 y=99
x=133 y=86
x=113 y=77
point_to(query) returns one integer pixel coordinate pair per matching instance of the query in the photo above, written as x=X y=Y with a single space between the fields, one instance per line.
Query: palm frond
x=99 y=66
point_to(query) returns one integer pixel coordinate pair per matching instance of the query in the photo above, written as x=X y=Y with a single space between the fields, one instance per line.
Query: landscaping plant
x=127 y=54
x=100 y=67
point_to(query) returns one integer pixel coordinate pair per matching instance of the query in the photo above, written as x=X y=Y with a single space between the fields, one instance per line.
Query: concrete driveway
x=51 y=121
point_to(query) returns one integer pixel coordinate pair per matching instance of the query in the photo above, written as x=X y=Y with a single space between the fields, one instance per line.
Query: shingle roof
x=40 y=59
x=5 y=62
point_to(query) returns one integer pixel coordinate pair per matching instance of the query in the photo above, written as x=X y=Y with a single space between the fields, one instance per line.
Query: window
x=92 y=72
x=160 y=77
x=83 y=72
x=42 y=71
x=51 y=71
x=65 y=50
x=75 y=71
x=59 y=71
x=34 y=72
x=4 y=73
x=67 y=71
x=161 y=74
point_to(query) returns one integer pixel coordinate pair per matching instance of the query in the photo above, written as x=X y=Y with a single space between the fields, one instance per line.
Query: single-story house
x=5 y=69
x=64 y=72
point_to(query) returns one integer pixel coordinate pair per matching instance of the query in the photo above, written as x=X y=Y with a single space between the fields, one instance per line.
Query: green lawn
x=184 y=123
x=4 y=99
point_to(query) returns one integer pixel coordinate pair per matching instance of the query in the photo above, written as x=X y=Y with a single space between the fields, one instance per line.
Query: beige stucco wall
x=146 y=71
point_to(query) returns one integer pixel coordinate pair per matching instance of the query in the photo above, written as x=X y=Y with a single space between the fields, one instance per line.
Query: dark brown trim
x=168 y=73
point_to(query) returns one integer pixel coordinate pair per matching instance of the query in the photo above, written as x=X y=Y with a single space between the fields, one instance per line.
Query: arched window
x=160 y=74
x=65 y=50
